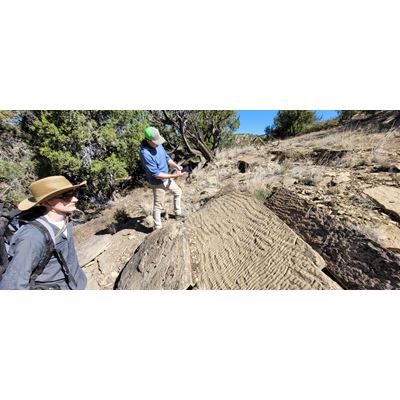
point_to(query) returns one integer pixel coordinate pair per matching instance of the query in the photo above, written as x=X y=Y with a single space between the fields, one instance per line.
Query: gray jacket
x=28 y=247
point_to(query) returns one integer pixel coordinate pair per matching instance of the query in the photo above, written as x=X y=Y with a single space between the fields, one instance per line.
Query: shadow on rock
x=135 y=223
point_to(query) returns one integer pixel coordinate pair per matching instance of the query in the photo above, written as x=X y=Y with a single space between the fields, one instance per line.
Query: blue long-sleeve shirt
x=154 y=162
x=28 y=247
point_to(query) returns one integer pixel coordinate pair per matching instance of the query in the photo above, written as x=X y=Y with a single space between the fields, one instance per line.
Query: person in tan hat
x=33 y=265
x=156 y=163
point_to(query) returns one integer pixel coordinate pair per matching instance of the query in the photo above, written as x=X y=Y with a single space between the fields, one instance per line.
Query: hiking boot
x=180 y=217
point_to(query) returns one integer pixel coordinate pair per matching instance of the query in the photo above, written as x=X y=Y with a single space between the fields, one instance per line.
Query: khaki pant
x=159 y=197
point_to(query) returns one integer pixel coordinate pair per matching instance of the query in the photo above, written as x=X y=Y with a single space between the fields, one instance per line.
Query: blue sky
x=255 y=121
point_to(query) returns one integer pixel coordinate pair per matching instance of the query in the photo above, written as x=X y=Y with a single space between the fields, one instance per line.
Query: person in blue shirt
x=156 y=163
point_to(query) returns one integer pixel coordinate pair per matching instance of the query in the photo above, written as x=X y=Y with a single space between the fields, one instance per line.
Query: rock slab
x=353 y=260
x=161 y=262
x=233 y=242
x=388 y=197
x=90 y=249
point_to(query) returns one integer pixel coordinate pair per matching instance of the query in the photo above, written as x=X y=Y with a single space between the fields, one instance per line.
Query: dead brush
x=232 y=153
x=256 y=179
x=228 y=173
x=226 y=154
x=381 y=159
x=286 y=166
x=349 y=160
x=310 y=177
x=373 y=148
x=262 y=177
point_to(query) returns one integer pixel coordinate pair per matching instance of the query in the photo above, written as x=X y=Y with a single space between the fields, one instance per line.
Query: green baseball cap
x=153 y=135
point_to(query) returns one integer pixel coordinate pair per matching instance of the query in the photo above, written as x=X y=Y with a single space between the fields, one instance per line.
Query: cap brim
x=161 y=140
x=32 y=202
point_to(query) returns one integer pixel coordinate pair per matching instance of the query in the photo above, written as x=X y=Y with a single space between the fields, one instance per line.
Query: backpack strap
x=68 y=276
x=48 y=232
x=3 y=249
x=49 y=252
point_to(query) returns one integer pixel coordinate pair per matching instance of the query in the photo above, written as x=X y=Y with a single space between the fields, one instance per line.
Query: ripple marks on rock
x=237 y=243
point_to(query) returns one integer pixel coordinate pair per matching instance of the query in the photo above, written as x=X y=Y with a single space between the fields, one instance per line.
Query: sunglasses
x=67 y=195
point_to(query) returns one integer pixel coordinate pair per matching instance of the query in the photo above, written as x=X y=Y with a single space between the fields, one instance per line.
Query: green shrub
x=290 y=122
x=345 y=115
x=99 y=146
x=262 y=194
x=15 y=178
x=10 y=170
x=12 y=198
x=322 y=125
x=121 y=215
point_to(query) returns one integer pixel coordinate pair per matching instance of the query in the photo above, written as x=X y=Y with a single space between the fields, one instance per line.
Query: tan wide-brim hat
x=45 y=189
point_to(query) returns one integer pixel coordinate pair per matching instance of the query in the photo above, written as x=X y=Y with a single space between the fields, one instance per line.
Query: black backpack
x=10 y=222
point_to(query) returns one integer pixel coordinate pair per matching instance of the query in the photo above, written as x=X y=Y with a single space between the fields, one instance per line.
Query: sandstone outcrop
x=233 y=242
x=353 y=260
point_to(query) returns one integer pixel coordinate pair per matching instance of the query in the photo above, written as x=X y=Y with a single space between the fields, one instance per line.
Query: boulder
x=162 y=261
x=248 y=162
x=123 y=245
x=90 y=249
x=388 y=197
x=388 y=236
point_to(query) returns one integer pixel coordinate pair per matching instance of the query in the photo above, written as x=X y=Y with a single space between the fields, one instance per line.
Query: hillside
x=317 y=211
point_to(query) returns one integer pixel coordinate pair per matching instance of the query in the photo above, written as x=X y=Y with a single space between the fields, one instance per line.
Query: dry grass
x=306 y=176
x=257 y=179
x=364 y=148
x=348 y=140
x=213 y=180
x=286 y=166
x=232 y=153
x=350 y=160
x=381 y=159
x=376 y=157
x=262 y=179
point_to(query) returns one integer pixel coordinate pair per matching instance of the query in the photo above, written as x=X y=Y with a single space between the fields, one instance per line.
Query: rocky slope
x=236 y=238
